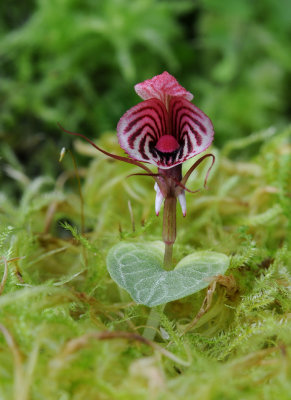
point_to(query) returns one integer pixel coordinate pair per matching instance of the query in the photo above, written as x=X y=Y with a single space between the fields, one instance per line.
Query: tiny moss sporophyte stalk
x=164 y=130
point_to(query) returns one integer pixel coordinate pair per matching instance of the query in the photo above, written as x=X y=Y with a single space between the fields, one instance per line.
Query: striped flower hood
x=165 y=129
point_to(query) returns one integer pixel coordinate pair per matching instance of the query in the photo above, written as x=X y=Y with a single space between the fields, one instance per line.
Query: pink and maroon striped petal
x=191 y=127
x=149 y=133
x=162 y=87
x=140 y=129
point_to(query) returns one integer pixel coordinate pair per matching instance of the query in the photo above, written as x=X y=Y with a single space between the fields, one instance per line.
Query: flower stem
x=169 y=230
x=152 y=325
x=169 y=237
x=168 y=262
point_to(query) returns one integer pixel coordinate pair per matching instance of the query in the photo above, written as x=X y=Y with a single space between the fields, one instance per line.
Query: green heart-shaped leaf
x=137 y=267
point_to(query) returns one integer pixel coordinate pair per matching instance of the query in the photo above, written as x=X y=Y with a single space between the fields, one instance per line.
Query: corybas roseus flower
x=165 y=130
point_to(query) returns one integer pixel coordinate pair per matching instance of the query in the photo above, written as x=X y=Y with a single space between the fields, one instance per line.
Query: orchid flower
x=165 y=130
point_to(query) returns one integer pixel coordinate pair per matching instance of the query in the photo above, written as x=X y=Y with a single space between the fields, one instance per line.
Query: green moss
x=58 y=289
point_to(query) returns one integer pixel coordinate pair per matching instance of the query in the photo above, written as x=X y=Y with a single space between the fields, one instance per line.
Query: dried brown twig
x=81 y=342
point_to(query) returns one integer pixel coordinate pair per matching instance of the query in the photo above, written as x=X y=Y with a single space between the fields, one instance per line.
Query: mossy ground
x=67 y=332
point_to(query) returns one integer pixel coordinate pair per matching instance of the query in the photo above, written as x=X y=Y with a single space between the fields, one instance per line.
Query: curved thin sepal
x=119 y=158
x=142 y=174
x=195 y=165
x=184 y=188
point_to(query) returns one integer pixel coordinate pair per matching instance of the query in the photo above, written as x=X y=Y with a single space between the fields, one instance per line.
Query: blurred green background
x=76 y=62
